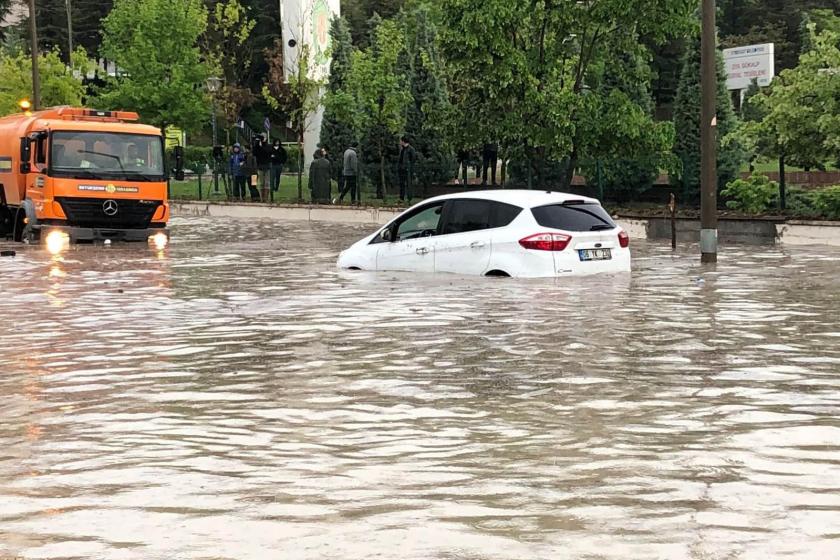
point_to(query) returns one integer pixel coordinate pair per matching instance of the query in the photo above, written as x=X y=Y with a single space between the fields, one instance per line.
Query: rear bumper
x=77 y=234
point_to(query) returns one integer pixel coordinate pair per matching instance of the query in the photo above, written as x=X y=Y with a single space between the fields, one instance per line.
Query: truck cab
x=92 y=175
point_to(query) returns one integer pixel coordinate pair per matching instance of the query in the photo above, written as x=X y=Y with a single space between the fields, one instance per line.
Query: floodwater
x=237 y=397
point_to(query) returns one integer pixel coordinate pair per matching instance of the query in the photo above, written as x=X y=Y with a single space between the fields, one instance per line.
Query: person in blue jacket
x=237 y=172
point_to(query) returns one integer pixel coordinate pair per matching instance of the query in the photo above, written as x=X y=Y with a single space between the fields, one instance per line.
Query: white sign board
x=745 y=64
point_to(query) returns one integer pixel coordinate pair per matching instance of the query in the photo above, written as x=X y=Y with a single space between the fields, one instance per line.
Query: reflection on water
x=235 y=396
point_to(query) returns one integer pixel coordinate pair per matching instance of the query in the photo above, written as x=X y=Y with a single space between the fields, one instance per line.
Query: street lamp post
x=708 y=133
x=214 y=84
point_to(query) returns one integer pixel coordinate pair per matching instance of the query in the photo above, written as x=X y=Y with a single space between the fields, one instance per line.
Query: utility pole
x=708 y=140
x=36 y=76
x=69 y=6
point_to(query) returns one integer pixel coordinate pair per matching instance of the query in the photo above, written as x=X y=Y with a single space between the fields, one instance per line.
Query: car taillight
x=623 y=239
x=546 y=242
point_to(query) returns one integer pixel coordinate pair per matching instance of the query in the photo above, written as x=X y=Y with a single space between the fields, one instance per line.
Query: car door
x=463 y=246
x=413 y=245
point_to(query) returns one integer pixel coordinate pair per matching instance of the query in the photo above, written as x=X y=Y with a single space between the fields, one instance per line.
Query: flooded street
x=237 y=397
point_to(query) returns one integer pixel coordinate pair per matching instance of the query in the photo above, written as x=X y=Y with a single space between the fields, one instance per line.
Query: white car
x=518 y=233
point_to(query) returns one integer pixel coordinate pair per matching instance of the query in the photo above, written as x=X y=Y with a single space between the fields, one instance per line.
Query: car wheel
x=498 y=274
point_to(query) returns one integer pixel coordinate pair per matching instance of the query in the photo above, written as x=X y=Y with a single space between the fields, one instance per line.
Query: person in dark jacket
x=252 y=173
x=350 y=175
x=262 y=155
x=408 y=156
x=238 y=172
x=277 y=157
x=320 y=174
x=489 y=159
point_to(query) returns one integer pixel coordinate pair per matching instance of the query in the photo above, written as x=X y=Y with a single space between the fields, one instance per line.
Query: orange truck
x=92 y=175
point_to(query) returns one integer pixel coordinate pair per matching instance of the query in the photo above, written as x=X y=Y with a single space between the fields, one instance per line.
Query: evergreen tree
x=625 y=178
x=337 y=131
x=426 y=115
x=687 y=125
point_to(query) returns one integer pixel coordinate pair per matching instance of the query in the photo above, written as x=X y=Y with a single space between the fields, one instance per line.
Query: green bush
x=754 y=195
x=800 y=203
x=196 y=158
x=827 y=202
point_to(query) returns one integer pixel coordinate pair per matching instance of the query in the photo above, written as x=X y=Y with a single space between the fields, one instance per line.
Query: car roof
x=518 y=197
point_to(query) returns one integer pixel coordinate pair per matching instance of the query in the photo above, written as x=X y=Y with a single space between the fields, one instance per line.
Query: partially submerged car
x=518 y=233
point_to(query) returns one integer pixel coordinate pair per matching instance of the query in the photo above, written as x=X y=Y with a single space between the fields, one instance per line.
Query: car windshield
x=582 y=216
x=107 y=155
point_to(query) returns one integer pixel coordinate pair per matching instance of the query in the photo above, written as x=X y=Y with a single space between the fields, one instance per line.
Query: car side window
x=466 y=215
x=423 y=223
x=503 y=214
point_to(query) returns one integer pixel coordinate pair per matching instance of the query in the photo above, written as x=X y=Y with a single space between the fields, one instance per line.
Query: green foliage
x=753 y=195
x=748 y=22
x=526 y=73
x=59 y=84
x=155 y=45
x=801 y=113
x=827 y=202
x=227 y=49
x=427 y=114
x=358 y=14
x=377 y=96
x=337 y=131
x=730 y=154
x=196 y=158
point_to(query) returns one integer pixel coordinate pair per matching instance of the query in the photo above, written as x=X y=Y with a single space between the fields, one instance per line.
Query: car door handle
x=477 y=244
x=422 y=251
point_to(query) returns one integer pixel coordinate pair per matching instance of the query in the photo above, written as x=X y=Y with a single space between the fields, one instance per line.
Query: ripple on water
x=239 y=397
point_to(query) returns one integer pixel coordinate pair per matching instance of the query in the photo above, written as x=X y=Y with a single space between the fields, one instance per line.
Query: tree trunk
x=569 y=171
x=782 y=184
x=300 y=164
x=380 y=189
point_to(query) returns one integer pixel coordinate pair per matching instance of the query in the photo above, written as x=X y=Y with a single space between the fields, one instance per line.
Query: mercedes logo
x=110 y=207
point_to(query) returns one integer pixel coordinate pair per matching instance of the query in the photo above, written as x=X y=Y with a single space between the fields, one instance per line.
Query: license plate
x=595 y=254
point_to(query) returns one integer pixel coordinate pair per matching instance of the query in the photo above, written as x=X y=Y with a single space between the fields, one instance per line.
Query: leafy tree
x=625 y=177
x=59 y=83
x=296 y=96
x=358 y=14
x=746 y=22
x=51 y=17
x=426 y=119
x=227 y=47
x=162 y=70
x=337 y=131
x=378 y=95
x=687 y=125
x=523 y=72
x=801 y=113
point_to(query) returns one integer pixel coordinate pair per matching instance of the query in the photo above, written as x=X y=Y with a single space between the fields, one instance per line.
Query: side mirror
x=25 y=155
x=387 y=235
x=179 y=163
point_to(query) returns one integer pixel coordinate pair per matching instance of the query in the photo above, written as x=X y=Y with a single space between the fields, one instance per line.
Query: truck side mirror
x=25 y=155
x=179 y=163
x=387 y=235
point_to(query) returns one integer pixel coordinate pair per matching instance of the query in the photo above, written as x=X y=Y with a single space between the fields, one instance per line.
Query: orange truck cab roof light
x=83 y=114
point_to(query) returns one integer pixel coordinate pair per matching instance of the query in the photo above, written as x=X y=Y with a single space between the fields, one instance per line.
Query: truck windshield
x=107 y=155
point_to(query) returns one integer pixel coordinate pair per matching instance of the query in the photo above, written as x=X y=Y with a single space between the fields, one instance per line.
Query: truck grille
x=109 y=213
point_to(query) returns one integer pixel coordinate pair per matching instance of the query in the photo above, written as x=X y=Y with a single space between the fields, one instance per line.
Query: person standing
x=277 y=158
x=408 y=155
x=320 y=173
x=252 y=172
x=238 y=172
x=262 y=155
x=350 y=173
x=489 y=159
